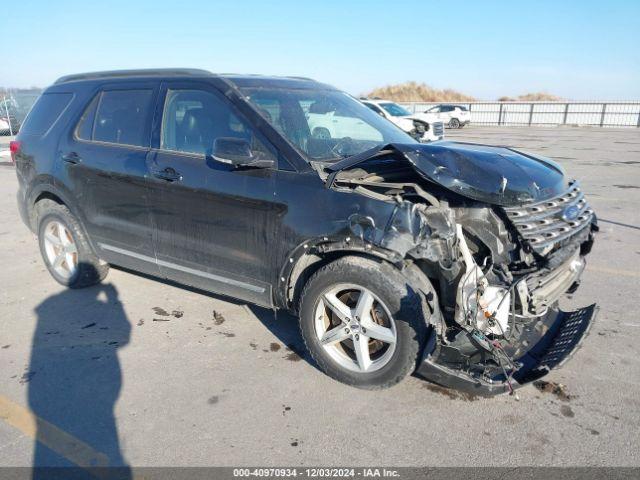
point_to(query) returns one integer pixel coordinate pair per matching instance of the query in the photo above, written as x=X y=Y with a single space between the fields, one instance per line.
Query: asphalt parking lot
x=143 y=373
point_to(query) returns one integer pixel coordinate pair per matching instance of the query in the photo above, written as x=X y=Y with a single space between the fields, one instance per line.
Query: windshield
x=324 y=124
x=395 y=110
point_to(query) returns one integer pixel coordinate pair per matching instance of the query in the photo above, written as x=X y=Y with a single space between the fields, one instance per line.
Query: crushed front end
x=499 y=246
x=505 y=328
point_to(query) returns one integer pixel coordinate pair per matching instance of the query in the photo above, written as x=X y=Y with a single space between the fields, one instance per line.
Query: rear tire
x=454 y=123
x=375 y=346
x=65 y=249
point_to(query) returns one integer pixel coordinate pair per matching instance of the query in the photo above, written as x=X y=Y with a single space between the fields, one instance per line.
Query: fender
x=316 y=249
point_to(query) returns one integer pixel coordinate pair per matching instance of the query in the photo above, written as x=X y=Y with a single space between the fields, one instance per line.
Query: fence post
x=500 y=115
x=530 y=114
x=566 y=112
x=638 y=125
x=604 y=109
x=6 y=109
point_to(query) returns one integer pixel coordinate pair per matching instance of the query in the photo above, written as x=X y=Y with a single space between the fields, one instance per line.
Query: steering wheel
x=339 y=148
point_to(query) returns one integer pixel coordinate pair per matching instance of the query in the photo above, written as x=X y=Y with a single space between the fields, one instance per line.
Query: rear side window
x=45 y=112
x=117 y=116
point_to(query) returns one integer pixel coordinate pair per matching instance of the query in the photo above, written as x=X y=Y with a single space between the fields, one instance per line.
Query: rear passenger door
x=104 y=163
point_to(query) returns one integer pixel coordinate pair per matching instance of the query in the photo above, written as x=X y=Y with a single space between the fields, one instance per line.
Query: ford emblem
x=570 y=213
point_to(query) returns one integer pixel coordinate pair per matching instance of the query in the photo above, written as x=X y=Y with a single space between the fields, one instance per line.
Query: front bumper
x=551 y=342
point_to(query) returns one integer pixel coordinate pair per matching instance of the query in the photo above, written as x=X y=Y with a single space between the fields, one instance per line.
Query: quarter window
x=45 y=112
x=117 y=116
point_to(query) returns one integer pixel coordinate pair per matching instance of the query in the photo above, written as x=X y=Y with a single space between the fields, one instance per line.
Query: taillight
x=14 y=148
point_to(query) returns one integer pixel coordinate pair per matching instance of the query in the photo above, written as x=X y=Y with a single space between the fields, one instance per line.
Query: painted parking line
x=64 y=444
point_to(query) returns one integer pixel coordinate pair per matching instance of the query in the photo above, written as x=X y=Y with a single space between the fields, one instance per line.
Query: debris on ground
x=26 y=377
x=452 y=394
x=567 y=411
x=295 y=353
x=218 y=318
x=557 y=389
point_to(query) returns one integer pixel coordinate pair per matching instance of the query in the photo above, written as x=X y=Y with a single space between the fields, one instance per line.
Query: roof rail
x=151 y=72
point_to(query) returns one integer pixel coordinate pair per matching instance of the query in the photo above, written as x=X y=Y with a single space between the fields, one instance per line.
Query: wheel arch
x=309 y=257
x=49 y=191
x=312 y=255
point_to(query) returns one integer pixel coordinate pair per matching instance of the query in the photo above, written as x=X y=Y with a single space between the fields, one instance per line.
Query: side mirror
x=237 y=152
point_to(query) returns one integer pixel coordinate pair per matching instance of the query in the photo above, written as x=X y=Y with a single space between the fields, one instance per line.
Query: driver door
x=214 y=224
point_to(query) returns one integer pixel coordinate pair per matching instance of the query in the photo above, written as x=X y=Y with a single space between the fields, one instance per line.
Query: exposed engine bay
x=500 y=235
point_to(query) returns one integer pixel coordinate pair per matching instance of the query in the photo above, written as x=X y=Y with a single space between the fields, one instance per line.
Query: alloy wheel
x=60 y=249
x=355 y=328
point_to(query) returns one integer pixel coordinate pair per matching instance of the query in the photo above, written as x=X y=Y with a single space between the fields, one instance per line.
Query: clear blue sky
x=575 y=49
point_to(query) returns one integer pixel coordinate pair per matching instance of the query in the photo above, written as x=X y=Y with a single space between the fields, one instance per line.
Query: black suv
x=447 y=258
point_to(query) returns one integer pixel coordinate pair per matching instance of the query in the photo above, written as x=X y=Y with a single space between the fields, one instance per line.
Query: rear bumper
x=553 y=340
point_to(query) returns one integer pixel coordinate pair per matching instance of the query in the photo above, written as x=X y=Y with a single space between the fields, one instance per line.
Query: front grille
x=544 y=223
x=438 y=129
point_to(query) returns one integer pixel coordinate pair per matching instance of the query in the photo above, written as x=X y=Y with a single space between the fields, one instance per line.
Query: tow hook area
x=548 y=345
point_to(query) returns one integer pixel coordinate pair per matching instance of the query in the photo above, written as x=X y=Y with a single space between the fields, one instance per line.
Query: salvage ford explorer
x=445 y=259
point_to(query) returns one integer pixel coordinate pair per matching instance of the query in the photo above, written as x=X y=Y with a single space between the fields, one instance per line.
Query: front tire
x=65 y=249
x=362 y=323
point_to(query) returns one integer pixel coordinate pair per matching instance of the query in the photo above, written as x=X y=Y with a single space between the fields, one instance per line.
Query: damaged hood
x=495 y=175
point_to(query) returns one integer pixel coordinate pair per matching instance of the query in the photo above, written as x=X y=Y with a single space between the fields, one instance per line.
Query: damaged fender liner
x=554 y=341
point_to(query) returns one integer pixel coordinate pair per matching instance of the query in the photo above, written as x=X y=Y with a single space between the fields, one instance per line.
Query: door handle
x=72 y=157
x=168 y=174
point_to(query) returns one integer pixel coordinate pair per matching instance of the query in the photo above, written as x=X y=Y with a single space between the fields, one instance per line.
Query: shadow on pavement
x=74 y=381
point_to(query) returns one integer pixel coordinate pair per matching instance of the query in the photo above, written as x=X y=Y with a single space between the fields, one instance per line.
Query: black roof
x=238 y=80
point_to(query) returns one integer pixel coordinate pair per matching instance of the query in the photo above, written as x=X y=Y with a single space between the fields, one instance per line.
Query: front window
x=193 y=120
x=395 y=110
x=323 y=124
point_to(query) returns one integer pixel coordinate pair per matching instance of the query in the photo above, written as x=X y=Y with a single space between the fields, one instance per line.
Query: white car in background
x=454 y=116
x=327 y=120
x=422 y=126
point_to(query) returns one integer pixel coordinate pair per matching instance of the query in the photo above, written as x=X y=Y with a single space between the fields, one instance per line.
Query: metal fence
x=598 y=114
x=14 y=106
